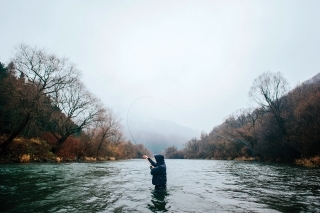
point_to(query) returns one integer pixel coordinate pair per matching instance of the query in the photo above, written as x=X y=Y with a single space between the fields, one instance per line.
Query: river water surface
x=193 y=186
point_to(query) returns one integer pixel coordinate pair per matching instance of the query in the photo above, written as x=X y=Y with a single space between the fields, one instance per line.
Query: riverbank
x=23 y=150
x=307 y=162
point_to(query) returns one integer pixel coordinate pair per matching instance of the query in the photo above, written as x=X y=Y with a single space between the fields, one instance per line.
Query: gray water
x=193 y=186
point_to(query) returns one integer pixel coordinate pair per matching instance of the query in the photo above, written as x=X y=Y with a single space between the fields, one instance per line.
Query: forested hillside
x=47 y=112
x=284 y=126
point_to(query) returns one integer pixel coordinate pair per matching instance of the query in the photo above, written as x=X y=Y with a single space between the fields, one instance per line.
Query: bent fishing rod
x=129 y=127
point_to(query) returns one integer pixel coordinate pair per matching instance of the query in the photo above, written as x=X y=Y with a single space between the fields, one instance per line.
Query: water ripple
x=193 y=186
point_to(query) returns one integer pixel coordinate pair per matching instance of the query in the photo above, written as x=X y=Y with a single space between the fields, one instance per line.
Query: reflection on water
x=193 y=186
x=158 y=200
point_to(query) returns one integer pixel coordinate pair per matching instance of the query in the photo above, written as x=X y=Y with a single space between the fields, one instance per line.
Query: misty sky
x=199 y=57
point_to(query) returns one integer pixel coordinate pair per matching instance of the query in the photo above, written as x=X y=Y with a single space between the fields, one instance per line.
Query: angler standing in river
x=158 y=172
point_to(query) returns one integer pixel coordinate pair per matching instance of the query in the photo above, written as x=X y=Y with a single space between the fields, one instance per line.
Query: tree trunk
x=59 y=143
x=16 y=132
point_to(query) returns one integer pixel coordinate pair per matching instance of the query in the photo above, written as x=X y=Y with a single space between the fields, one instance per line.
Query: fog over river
x=193 y=186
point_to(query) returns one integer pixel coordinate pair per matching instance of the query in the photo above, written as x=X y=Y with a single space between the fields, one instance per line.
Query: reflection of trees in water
x=158 y=200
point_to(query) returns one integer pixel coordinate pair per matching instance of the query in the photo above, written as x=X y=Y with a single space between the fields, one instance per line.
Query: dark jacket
x=159 y=172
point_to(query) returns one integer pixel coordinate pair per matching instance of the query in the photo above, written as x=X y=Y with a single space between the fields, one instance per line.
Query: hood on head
x=159 y=159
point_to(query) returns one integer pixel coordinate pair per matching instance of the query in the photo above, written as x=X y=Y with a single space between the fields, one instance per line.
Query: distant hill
x=314 y=79
x=156 y=134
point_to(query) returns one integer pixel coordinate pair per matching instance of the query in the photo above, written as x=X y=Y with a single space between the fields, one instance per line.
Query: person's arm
x=154 y=164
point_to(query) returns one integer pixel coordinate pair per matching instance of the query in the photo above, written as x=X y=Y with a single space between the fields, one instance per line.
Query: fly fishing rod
x=129 y=127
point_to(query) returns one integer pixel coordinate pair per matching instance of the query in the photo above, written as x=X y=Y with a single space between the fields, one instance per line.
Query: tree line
x=284 y=127
x=45 y=107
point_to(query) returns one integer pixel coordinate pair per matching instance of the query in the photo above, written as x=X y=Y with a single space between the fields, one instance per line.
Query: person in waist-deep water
x=158 y=172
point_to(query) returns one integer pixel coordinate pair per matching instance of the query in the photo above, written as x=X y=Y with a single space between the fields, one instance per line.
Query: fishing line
x=128 y=119
x=129 y=127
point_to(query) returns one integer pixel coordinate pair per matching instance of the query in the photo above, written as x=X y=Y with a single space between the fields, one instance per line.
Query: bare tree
x=268 y=91
x=242 y=125
x=47 y=71
x=109 y=129
x=192 y=148
x=170 y=151
x=76 y=109
x=46 y=74
x=104 y=135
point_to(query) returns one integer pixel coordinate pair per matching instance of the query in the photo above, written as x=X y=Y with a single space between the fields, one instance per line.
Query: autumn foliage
x=46 y=112
x=42 y=99
x=284 y=127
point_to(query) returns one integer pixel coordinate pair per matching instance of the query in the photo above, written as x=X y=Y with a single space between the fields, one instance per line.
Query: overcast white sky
x=200 y=57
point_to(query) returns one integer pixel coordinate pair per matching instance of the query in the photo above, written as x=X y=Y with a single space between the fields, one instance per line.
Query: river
x=193 y=186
